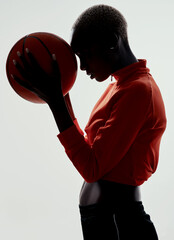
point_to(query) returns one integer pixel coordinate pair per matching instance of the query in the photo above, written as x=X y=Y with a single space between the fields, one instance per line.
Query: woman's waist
x=124 y=192
x=108 y=191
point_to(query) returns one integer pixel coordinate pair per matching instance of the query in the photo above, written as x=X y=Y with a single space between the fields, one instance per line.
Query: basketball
x=42 y=45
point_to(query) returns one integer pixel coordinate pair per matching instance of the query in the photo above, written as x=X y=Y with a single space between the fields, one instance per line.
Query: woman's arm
x=63 y=116
x=112 y=140
x=69 y=106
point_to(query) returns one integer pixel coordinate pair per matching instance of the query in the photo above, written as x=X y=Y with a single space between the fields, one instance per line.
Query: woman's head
x=96 y=35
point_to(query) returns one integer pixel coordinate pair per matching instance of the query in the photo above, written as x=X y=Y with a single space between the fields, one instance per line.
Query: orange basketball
x=43 y=45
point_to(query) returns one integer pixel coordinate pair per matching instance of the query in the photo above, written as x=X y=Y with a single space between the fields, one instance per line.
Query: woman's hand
x=44 y=85
x=47 y=87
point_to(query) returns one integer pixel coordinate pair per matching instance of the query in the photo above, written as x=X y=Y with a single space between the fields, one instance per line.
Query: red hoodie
x=124 y=130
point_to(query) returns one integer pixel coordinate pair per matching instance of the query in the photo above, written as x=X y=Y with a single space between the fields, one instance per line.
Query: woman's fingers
x=26 y=65
x=30 y=71
x=20 y=69
x=23 y=83
x=55 y=65
x=29 y=87
x=34 y=64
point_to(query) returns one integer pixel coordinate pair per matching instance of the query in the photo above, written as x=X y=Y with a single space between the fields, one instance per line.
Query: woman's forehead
x=86 y=49
x=84 y=42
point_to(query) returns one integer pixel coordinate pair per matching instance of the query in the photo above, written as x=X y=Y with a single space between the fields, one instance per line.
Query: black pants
x=123 y=221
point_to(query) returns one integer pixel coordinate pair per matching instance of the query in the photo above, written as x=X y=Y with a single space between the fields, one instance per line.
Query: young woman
x=121 y=147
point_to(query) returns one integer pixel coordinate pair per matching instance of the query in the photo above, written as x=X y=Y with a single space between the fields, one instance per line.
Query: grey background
x=39 y=187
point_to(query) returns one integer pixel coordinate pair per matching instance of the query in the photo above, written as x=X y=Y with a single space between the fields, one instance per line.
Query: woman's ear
x=113 y=43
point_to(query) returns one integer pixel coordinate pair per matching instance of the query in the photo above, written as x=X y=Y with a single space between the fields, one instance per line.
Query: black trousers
x=118 y=221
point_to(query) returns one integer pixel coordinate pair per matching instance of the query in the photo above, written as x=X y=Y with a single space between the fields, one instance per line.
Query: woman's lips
x=90 y=74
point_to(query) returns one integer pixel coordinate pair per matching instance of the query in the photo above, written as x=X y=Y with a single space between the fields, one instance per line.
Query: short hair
x=96 y=22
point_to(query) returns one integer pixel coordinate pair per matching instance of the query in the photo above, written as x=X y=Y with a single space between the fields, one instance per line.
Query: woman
x=121 y=147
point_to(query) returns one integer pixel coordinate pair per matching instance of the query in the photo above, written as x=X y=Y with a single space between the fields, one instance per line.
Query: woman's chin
x=101 y=78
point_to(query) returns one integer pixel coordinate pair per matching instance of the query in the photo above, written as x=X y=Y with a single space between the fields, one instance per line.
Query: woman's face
x=94 y=60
